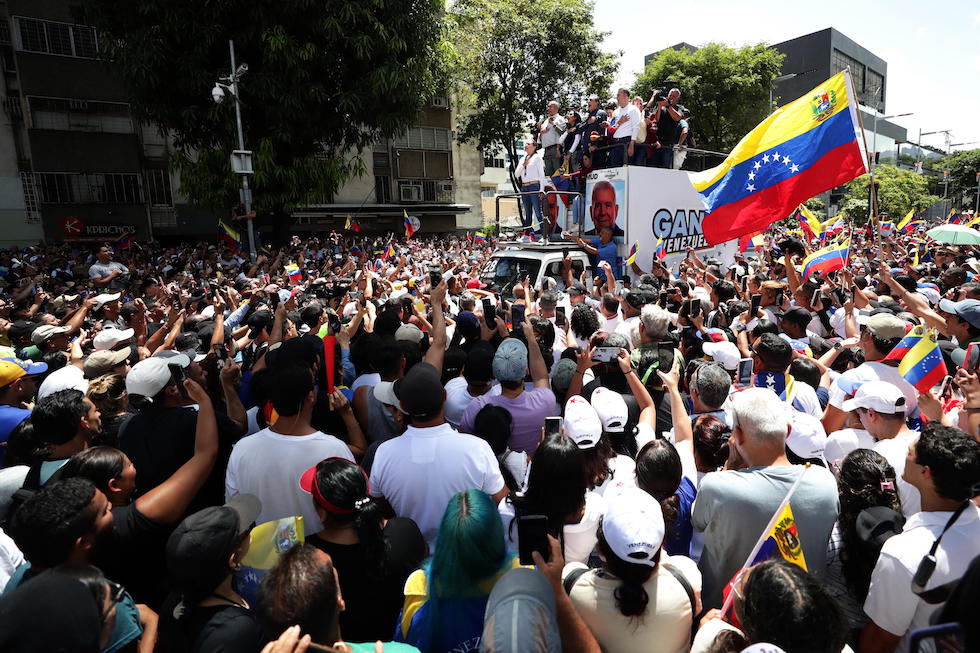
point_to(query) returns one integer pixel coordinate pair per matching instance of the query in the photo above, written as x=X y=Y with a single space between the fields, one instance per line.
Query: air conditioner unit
x=410 y=192
x=446 y=187
x=440 y=101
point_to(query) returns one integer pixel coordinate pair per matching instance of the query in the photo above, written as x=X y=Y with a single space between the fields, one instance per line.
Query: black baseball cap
x=577 y=288
x=198 y=549
x=420 y=392
x=797 y=315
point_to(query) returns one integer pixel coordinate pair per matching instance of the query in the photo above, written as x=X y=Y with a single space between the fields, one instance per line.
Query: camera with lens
x=792 y=246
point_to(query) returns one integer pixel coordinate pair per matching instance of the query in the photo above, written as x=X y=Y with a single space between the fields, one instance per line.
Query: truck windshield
x=501 y=273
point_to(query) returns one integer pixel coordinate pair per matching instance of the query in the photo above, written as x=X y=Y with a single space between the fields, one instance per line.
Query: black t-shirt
x=667 y=131
x=373 y=605
x=134 y=554
x=224 y=629
x=159 y=440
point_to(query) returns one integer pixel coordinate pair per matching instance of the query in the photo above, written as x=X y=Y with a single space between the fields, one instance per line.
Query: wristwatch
x=838 y=345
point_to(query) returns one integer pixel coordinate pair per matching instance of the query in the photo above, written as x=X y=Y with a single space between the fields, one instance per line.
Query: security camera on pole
x=241 y=159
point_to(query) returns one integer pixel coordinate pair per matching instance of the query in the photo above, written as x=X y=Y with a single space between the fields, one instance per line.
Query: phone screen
x=532 y=535
x=560 y=315
x=695 y=307
x=552 y=426
x=745 y=283
x=488 y=312
x=970 y=362
x=756 y=303
x=178 y=376
x=663 y=300
x=779 y=298
x=517 y=315
x=435 y=275
x=605 y=354
x=745 y=372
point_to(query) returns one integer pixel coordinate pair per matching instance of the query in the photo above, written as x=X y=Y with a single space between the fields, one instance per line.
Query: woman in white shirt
x=531 y=173
x=556 y=488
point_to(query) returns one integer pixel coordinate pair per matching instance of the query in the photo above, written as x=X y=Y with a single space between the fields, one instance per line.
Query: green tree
x=898 y=192
x=726 y=89
x=323 y=82
x=513 y=57
x=963 y=166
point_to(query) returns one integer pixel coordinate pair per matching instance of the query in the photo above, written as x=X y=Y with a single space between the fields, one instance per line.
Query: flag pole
x=765 y=534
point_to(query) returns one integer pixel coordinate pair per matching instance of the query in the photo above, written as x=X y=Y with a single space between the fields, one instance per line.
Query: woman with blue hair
x=445 y=601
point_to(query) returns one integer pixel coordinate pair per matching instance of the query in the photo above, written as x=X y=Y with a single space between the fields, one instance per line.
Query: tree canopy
x=963 y=168
x=323 y=82
x=513 y=57
x=898 y=192
x=726 y=89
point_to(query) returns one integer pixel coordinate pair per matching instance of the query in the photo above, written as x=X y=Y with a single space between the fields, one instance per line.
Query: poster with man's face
x=605 y=198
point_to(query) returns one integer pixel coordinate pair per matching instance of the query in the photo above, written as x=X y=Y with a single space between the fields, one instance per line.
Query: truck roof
x=554 y=246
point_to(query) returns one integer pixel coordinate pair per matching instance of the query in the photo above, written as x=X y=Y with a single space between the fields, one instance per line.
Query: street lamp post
x=241 y=159
x=874 y=132
x=783 y=78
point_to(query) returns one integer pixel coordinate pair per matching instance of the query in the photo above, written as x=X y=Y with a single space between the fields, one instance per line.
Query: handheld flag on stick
x=904 y=222
x=906 y=344
x=389 y=250
x=294 y=273
x=409 y=229
x=631 y=258
x=229 y=236
x=125 y=241
x=830 y=258
x=923 y=365
x=780 y=537
x=352 y=225
x=661 y=250
x=954 y=217
x=804 y=148
x=479 y=237
x=809 y=222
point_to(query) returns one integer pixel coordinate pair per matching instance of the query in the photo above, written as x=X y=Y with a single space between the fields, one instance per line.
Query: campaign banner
x=663 y=204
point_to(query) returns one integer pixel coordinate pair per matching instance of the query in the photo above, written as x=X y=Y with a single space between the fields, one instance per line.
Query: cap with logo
x=582 y=424
x=12 y=369
x=633 y=526
x=611 y=408
x=884 y=397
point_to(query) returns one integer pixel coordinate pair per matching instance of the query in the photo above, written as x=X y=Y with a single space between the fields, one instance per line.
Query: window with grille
x=424 y=138
x=158 y=188
x=80 y=115
x=91 y=188
x=382 y=189
x=841 y=62
x=53 y=37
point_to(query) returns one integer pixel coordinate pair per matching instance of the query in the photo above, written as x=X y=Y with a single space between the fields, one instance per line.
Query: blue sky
x=932 y=51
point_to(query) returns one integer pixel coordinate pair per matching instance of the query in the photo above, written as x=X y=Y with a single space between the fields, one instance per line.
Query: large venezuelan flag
x=804 y=148
x=830 y=258
x=229 y=236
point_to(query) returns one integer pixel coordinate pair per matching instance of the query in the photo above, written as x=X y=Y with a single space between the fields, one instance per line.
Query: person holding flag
x=409 y=226
x=828 y=259
x=734 y=509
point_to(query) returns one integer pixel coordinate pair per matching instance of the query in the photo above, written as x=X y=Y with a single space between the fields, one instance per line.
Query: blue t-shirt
x=606 y=252
x=10 y=418
x=679 y=543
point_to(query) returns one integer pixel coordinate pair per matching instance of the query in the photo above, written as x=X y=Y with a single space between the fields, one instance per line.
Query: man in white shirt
x=944 y=465
x=416 y=474
x=551 y=130
x=530 y=172
x=270 y=463
x=627 y=119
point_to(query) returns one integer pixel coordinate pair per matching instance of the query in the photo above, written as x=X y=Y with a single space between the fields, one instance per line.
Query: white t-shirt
x=628 y=329
x=419 y=472
x=579 y=538
x=10 y=559
x=269 y=465
x=370 y=380
x=874 y=371
x=891 y=603
x=894 y=450
x=458 y=398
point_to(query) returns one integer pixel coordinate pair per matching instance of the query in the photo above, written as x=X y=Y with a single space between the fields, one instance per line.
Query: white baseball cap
x=611 y=408
x=633 y=526
x=807 y=437
x=105 y=298
x=882 y=396
x=726 y=353
x=68 y=377
x=148 y=377
x=385 y=393
x=110 y=337
x=582 y=424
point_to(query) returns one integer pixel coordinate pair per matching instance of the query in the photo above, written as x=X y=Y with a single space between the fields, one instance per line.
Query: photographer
x=550 y=131
x=668 y=115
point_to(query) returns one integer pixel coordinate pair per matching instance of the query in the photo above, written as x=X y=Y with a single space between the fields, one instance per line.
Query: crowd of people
x=565 y=464
x=655 y=133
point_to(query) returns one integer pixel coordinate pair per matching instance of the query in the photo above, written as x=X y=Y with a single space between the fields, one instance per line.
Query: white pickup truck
x=512 y=261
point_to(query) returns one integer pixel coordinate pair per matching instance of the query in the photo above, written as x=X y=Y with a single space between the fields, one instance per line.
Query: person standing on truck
x=603 y=248
x=530 y=172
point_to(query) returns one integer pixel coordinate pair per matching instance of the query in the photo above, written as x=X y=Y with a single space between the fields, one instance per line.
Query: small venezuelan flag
x=294 y=273
x=479 y=237
x=230 y=237
x=389 y=250
x=631 y=258
x=409 y=229
x=906 y=221
x=906 y=344
x=783 y=540
x=923 y=365
x=125 y=241
x=802 y=149
x=661 y=250
x=830 y=258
